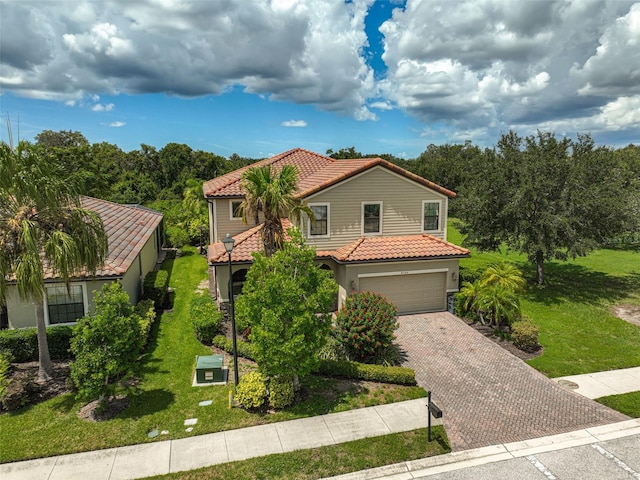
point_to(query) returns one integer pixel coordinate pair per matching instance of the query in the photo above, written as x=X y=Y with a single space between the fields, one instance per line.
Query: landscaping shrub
x=333 y=350
x=524 y=334
x=5 y=369
x=365 y=324
x=245 y=349
x=281 y=392
x=22 y=343
x=205 y=318
x=155 y=287
x=147 y=313
x=365 y=371
x=251 y=392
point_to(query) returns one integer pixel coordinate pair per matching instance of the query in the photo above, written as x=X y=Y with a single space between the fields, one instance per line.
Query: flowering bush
x=365 y=324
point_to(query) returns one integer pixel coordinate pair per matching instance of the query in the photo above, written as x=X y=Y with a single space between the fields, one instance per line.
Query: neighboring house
x=377 y=227
x=135 y=239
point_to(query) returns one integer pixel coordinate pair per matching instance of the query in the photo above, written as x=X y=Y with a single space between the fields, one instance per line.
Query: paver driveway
x=487 y=395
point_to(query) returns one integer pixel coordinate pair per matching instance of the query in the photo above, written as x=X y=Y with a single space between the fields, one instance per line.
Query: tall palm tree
x=43 y=227
x=271 y=195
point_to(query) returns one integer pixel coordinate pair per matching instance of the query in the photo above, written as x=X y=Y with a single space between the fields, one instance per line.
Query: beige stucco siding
x=224 y=223
x=402 y=203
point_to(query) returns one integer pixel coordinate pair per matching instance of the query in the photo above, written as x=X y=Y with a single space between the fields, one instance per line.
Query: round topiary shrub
x=281 y=392
x=365 y=324
x=524 y=334
x=251 y=392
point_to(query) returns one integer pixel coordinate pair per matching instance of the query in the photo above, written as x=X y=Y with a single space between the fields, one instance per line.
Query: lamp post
x=228 y=246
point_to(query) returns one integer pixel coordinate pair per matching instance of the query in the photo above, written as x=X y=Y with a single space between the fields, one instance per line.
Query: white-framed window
x=431 y=215
x=319 y=226
x=371 y=218
x=64 y=306
x=234 y=210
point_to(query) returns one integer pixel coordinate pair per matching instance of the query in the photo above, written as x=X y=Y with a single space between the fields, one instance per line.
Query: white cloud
x=381 y=105
x=99 y=107
x=117 y=124
x=298 y=51
x=294 y=123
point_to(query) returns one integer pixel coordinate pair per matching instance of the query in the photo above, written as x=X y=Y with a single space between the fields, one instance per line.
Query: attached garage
x=417 y=291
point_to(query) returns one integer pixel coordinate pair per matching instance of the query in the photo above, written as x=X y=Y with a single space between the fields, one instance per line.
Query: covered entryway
x=409 y=291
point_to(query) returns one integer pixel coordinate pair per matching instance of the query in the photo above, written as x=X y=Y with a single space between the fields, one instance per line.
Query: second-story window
x=319 y=225
x=371 y=217
x=234 y=207
x=431 y=217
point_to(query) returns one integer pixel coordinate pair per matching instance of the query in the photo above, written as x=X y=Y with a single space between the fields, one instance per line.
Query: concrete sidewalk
x=602 y=384
x=158 y=458
x=464 y=464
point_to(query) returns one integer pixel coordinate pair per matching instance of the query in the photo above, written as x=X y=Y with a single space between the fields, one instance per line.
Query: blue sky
x=260 y=77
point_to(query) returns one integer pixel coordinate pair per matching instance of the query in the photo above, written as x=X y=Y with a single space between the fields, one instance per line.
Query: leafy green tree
x=544 y=197
x=106 y=344
x=43 y=226
x=271 y=195
x=287 y=300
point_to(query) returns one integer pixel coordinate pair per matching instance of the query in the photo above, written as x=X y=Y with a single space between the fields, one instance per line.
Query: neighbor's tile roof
x=128 y=229
x=364 y=249
x=315 y=172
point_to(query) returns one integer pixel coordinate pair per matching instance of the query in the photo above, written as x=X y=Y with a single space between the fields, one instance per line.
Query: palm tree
x=43 y=227
x=504 y=274
x=271 y=194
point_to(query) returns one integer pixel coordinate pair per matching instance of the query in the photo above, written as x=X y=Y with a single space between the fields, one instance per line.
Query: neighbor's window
x=372 y=217
x=431 y=216
x=319 y=225
x=236 y=213
x=65 y=307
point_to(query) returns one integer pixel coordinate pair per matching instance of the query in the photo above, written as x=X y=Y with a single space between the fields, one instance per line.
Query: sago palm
x=43 y=228
x=504 y=274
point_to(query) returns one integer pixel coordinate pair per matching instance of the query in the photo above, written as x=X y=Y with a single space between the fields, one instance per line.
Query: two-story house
x=377 y=226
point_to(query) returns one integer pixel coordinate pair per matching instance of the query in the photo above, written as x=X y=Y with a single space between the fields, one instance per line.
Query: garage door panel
x=410 y=293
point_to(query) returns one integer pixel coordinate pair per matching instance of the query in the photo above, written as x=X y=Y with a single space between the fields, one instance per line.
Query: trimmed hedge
x=205 y=318
x=365 y=371
x=147 y=312
x=245 y=349
x=22 y=343
x=525 y=335
x=155 y=287
x=251 y=392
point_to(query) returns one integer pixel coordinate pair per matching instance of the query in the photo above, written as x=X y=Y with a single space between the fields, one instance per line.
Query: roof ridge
x=445 y=242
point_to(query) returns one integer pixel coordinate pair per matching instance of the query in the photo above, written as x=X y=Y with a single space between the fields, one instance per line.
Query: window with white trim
x=431 y=216
x=319 y=225
x=63 y=306
x=371 y=217
x=234 y=210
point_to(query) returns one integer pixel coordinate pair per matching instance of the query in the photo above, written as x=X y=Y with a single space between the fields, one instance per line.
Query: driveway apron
x=487 y=395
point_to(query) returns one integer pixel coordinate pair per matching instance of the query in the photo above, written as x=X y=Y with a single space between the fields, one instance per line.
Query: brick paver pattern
x=487 y=395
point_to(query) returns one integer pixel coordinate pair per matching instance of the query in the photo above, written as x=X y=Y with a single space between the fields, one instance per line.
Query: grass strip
x=627 y=403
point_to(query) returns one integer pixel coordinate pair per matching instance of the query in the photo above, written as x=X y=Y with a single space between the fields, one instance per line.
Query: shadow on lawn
x=147 y=402
x=579 y=284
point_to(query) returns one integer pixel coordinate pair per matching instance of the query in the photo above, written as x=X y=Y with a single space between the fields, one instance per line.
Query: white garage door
x=423 y=292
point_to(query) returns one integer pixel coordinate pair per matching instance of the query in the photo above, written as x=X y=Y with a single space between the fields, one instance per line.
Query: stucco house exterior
x=135 y=238
x=377 y=226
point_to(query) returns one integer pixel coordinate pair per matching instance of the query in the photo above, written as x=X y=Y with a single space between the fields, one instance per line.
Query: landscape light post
x=228 y=246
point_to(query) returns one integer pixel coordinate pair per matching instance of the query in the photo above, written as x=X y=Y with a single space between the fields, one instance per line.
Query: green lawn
x=577 y=330
x=165 y=397
x=627 y=403
x=327 y=461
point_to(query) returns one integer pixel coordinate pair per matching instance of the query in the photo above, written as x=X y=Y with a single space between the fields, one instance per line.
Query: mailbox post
x=433 y=410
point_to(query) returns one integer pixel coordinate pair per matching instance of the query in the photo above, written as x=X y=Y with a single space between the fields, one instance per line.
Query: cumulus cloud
x=99 y=107
x=294 y=123
x=117 y=124
x=484 y=67
x=304 y=52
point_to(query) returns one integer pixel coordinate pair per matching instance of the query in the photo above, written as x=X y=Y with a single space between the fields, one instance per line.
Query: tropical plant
x=43 y=227
x=106 y=344
x=365 y=324
x=505 y=275
x=287 y=300
x=271 y=194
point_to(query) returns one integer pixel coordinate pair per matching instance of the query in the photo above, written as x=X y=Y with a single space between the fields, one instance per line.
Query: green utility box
x=209 y=369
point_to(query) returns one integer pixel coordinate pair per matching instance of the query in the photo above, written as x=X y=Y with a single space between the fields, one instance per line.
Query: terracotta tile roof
x=246 y=243
x=364 y=249
x=316 y=172
x=128 y=229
